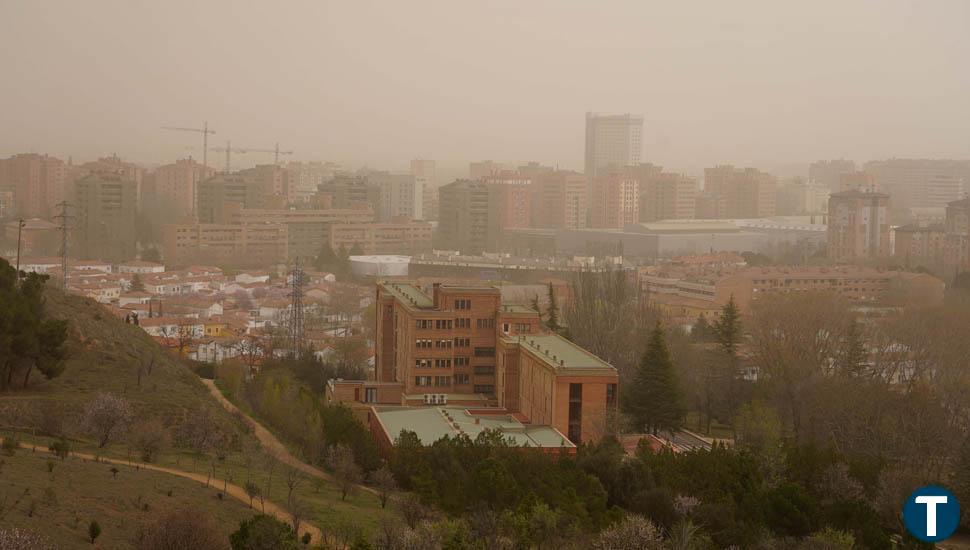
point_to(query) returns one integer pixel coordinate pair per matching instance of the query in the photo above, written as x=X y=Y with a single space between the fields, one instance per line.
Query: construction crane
x=205 y=131
x=229 y=149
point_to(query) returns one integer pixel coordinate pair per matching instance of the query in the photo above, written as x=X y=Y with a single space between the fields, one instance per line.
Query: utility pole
x=20 y=228
x=64 y=217
x=297 y=326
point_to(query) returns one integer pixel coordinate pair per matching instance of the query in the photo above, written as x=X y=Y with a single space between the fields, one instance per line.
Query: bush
x=94 y=531
x=9 y=446
x=61 y=448
x=263 y=532
x=182 y=529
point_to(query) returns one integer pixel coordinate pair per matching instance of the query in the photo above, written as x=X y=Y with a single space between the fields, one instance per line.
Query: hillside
x=105 y=354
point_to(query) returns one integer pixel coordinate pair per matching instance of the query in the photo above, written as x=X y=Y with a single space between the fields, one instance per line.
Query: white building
x=401 y=196
x=141 y=267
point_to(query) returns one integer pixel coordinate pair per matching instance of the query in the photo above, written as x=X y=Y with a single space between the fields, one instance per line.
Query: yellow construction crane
x=229 y=149
x=205 y=131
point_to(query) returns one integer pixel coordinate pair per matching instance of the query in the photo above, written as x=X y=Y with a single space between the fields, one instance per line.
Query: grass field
x=64 y=502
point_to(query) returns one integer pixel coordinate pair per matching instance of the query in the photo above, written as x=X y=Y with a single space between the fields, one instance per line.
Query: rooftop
x=561 y=353
x=433 y=423
x=409 y=294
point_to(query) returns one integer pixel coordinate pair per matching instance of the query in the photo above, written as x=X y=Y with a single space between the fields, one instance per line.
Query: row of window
x=427 y=343
x=428 y=381
x=447 y=324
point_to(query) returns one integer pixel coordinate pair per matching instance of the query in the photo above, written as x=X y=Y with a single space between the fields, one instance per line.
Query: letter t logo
x=930 y=502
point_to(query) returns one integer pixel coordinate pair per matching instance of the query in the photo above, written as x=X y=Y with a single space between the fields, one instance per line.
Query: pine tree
x=654 y=398
x=702 y=330
x=726 y=370
x=136 y=283
x=552 y=312
x=326 y=258
x=728 y=328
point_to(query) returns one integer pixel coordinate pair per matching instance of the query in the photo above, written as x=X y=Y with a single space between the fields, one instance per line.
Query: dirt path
x=270 y=442
x=234 y=491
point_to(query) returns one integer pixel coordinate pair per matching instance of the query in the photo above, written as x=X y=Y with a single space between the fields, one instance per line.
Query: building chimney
x=436 y=295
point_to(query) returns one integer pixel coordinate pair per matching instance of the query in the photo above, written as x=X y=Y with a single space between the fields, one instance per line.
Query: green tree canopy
x=654 y=398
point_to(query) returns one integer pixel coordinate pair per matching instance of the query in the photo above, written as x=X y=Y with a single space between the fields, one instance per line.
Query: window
x=423 y=323
x=422 y=363
x=485 y=323
x=370 y=395
x=442 y=324
x=462 y=378
x=611 y=395
x=442 y=380
x=442 y=363
x=422 y=380
x=463 y=303
x=484 y=352
x=463 y=323
x=462 y=342
x=575 y=423
x=484 y=388
x=523 y=327
x=462 y=361
x=442 y=344
x=423 y=344
x=487 y=371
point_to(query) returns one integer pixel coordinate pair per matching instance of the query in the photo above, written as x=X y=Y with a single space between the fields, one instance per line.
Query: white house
x=141 y=267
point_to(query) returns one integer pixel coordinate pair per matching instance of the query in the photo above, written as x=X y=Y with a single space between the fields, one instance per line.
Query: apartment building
x=38 y=183
x=105 y=216
x=404 y=237
x=666 y=196
x=426 y=179
x=350 y=191
x=461 y=345
x=920 y=183
x=858 y=227
x=920 y=246
x=401 y=196
x=731 y=192
x=612 y=142
x=174 y=188
x=234 y=245
x=828 y=173
x=559 y=200
x=614 y=201
x=463 y=217
x=956 y=253
x=263 y=187
x=307 y=230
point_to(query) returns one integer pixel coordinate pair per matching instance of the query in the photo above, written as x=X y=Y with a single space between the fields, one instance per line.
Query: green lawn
x=66 y=500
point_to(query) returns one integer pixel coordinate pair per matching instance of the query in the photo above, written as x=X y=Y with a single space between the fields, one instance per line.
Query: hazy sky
x=752 y=83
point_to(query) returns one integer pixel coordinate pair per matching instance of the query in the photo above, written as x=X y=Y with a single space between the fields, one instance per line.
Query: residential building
x=614 y=201
x=38 y=183
x=828 y=173
x=920 y=246
x=306 y=177
x=559 y=200
x=175 y=187
x=404 y=237
x=664 y=195
x=956 y=255
x=401 y=196
x=426 y=179
x=916 y=183
x=37 y=237
x=350 y=191
x=105 y=216
x=262 y=187
x=235 y=245
x=509 y=205
x=485 y=168
x=463 y=217
x=731 y=192
x=858 y=227
x=307 y=230
x=797 y=197
x=612 y=141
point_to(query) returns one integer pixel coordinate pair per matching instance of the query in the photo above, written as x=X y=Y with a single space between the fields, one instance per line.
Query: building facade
x=232 y=245
x=612 y=141
x=463 y=217
x=38 y=183
x=731 y=192
x=858 y=227
x=614 y=201
x=175 y=187
x=382 y=238
x=106 y=209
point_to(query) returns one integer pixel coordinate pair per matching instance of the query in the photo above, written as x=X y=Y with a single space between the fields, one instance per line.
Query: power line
x=297 y=326
x=63 y=227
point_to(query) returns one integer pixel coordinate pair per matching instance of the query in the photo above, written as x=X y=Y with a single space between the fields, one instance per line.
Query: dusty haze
x=761 y=83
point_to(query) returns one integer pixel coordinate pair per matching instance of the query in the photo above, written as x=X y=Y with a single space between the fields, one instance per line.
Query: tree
x=345 y=470
x=15 y=538
x=151 y=254
x=94 y=530
x=106 y=417
x=728 y=328
x=252 y=491
x=633 y=532
x=149 y=438
x=137 y=285
x=852 y=358
x=182 y=528
x=552 y=311
x=654 y=398
x=262 y=532
x=702 y=331
x=383 y=481
x=326 y=259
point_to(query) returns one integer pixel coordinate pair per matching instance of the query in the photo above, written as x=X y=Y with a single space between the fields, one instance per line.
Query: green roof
x=432 y=423
x=516 y=308
x=561 y=353
x=409 y=295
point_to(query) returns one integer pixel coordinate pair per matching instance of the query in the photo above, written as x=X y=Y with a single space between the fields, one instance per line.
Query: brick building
x=858 y=226
x=225 y=244
x=731 y=192
x=37 y=182
x=105 y=219
x=920 y=246
x=174 y=188
x=402 y=237
x=559 y=200
x=614 y=201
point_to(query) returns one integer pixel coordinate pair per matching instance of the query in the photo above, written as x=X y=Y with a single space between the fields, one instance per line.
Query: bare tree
x=182 y=528
x=383 y=481
x=149 y=438
x=294 y=478
x=345 y=470
x=631 y=533
x=106 y=417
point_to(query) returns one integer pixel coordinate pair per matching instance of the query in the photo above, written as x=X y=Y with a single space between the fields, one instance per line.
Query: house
x=140 y=267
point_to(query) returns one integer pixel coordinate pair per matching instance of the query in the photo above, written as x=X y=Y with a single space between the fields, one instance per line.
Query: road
x=234 y=491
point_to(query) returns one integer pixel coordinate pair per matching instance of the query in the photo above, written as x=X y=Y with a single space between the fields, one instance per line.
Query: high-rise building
x=306 y=177
x=485 y=168
x=828 y=173
x=614 y=201
x=463 y=217
x=256 y=188
x=797 y=197
x=921 y=183
x=731 y=192
x=956 y=254
x=559 y=200
x=38 y=183
x=106 y=207
x=426 y=179
x=401 y=196
x=174 y=188
x=858 y=226
x=509 y=206
x=350 y=191
x=612 y=141
x=664 y=195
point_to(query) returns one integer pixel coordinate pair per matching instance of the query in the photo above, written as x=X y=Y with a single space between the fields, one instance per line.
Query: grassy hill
x=60 y=504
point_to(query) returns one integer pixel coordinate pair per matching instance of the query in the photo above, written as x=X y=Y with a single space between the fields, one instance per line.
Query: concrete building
x=559 y=200
x=461 y=346
x=665 y=195
x=426 y=178
x=404 y=237
x=105 y=216
x=920 y=246
x=956 y=255
x=828 y=173
x=380 y=266
x=38 y=237
x=234 y=245
x=307 y=231
x=797 y=197
x=915 y=183
x=38 y=183
x=402 y=196
x=174 y=188
x=858 y=228
x=485 y=168
x=350 y=191
x=463 y=217
x=509 y=205
x=612 y=141
x=306 y=177
x=248 y=189
x=731 y=192
x=614 y=201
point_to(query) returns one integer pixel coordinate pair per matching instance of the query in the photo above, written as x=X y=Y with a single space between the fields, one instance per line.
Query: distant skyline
x=757 y=83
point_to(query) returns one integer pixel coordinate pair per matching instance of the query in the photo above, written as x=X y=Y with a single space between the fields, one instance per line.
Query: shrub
x=182 y=529
x=263 y=532
x=94 y=531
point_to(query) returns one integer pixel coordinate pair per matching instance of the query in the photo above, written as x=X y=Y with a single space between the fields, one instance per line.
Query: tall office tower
x=423 y=171
x=829 y=172
x=921 y=183
x=731 y=192
x=401 y=196
x=559 y=200
x=38 y=183
x=105 y=220
x=463 y=217
x=858 y=227
x=956 y=248
x=615 y=201
x=173 y=188
x=664 y=195
x=612 y=141
x=485 y=168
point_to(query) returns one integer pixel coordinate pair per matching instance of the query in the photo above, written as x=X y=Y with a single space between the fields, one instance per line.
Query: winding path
x=234 y=491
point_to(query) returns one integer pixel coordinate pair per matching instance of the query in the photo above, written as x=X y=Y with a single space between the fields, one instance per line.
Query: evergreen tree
x=654 y=398
x=137 y=285
x=702 y=331
x=725 y=371
x=728 y=328
x=853 y=356
x=356 y=250
x=326 y=259
x=552 y=312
